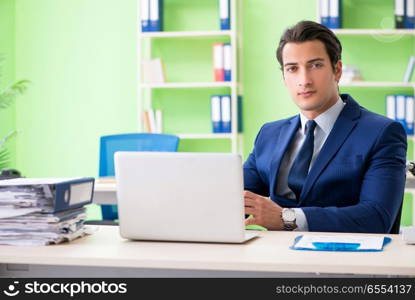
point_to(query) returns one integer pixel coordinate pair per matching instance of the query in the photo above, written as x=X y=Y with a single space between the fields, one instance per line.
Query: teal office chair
x=129 y=142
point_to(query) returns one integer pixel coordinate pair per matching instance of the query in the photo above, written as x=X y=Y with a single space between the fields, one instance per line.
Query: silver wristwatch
x=288 y=218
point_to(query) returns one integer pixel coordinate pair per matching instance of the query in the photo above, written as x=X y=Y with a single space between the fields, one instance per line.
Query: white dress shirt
x=325 y=123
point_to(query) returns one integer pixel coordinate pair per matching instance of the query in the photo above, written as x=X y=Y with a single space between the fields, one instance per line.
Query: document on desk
x=340 y=242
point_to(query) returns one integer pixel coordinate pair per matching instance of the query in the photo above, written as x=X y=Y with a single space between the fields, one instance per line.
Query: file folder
x=409 y=20
x=227 y=61
x=52 y=194
x=324 y=12
x=348 y=243
x=215 y=111
x=226 y=113
x=409 y=115
x=399 y=13
x=225 y=14
x=390 y=107
x=145 y=15
x=218 y=66
x=334 y=14
x=156 y=8
x=400 y=109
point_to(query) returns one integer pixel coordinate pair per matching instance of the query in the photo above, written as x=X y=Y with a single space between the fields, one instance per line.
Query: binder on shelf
x=390 y=107
x=156 y=15
x=227 y=61
x=218 y=66
x=400 y=109
x=215 y=111
x=409 y=115
x=335 y=14
x=225 y=14
x=409 y=69
x=324 y=12
x=145 y=15
x=399 y=13
x=50 y=194
x=226 y=113
x=409 y=20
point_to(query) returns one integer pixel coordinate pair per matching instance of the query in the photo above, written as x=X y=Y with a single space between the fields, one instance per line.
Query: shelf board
x=205 y=136
x=377 y=84
x=172 y=34
x=173 y=85
x=374 y=31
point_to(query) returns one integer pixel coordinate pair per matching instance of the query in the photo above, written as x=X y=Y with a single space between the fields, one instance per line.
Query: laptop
x=179 y=196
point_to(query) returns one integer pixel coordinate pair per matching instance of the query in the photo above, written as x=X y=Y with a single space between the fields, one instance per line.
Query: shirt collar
x=327 y=119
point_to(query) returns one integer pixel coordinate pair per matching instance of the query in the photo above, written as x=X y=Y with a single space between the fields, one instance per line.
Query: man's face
x=309 y=76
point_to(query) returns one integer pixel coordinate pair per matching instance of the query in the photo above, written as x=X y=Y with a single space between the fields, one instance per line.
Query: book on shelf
x=152 y=121
x=409 y=69
x=153 y=71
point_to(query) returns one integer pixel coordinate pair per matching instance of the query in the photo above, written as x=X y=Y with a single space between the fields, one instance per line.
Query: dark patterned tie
x=299 y=169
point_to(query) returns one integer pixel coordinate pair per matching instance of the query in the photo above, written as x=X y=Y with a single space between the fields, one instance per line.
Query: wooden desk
x=106 y=254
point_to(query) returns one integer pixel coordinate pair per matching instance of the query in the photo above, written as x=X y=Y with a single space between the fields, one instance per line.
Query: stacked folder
x=405 y=14
x=221 y=113
x=43 y=211
x=401 y=109
x=222 y=61
x=330 y=13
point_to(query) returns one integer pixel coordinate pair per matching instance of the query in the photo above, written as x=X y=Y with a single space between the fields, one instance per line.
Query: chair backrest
x=132 y=142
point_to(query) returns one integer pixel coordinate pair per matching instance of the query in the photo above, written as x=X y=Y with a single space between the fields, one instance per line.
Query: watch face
x=288 y=215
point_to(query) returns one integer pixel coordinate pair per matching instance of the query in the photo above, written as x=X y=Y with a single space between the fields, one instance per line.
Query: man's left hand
x=265 y=212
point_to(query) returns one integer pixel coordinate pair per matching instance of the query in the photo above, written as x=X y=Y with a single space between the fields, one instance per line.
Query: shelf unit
x=145 y=41
x=391 y=35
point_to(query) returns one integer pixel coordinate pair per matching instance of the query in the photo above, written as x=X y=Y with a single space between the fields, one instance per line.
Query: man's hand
x=265 y=212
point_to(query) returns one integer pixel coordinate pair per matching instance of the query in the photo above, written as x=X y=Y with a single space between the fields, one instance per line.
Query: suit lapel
x=344 y=124
x=286 y=134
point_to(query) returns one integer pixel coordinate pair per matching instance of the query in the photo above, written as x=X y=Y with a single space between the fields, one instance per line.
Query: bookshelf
x=189 y=80
x=371 y=42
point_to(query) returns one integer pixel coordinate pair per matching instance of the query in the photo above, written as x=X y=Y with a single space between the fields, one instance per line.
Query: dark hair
x=308 y=31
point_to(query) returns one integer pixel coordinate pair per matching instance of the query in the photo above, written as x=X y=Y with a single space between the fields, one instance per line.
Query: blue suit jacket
x=356 y=183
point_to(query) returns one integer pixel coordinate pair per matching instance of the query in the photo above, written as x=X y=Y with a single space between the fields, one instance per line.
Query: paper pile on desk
x=27 y=217
x=37 y=228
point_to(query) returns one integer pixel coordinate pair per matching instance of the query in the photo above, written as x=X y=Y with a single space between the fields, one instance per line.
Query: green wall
x=81 y=58
x=7 y=67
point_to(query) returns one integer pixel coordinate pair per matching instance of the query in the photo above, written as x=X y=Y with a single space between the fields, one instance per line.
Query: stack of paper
x=43 y=211
x=42 y=229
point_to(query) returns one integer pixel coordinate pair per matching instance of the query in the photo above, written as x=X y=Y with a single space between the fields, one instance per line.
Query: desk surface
x=268 y=253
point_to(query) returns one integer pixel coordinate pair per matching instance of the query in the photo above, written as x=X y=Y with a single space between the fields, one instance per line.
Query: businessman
x=335 y=167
